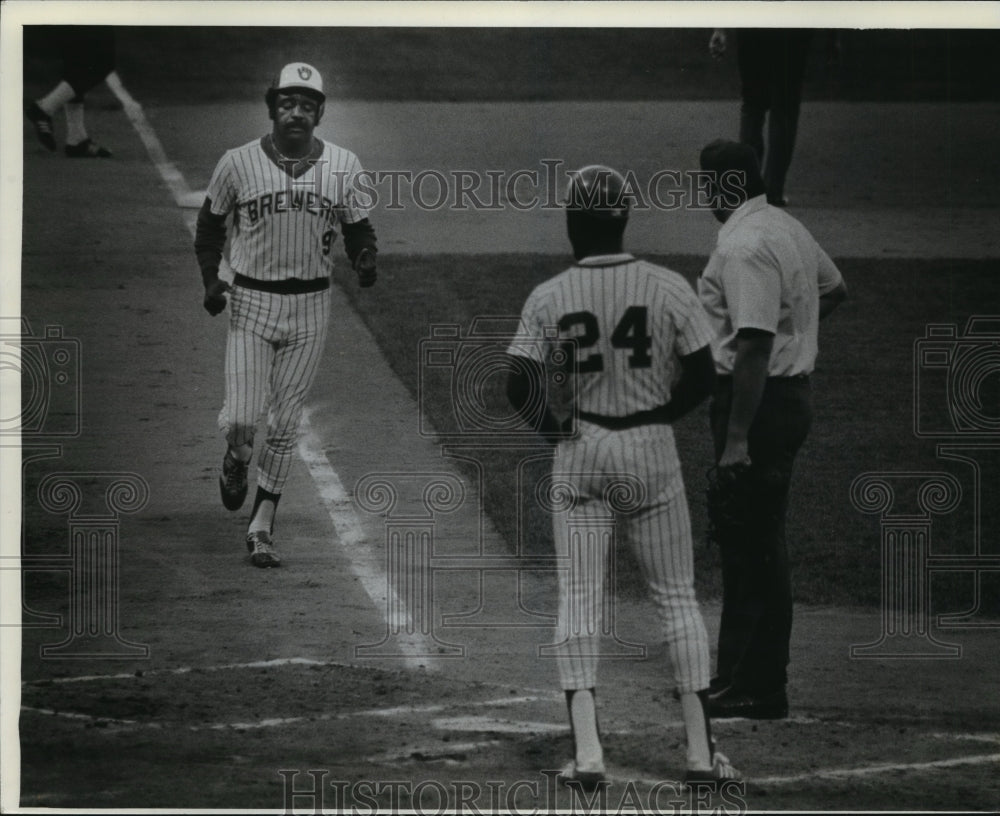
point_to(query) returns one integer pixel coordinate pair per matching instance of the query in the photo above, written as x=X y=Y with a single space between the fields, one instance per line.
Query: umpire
x=765 y=289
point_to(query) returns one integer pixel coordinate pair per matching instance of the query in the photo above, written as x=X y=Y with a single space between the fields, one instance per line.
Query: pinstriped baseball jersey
x=285 y=225
x=630 y=319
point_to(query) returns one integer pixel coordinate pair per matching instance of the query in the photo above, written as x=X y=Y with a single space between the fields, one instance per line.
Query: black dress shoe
x=718 y=684
x=736 y=703
x=715 y=685
x=87 y=150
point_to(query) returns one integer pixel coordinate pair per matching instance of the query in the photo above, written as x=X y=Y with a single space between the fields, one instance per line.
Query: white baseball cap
x=299 y=75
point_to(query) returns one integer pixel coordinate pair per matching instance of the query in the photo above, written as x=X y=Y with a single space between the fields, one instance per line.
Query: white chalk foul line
x=496 y=725
x=874 y=770
x=76 y=715
x=438 y=751
x=364 y=563
x=276 y=722
x=255 y=664
x=173 y=177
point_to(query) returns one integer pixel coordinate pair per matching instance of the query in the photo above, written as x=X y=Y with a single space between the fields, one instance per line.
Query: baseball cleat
x=735 y=703
x=722 y=769
x=233 y=481
x=261 y=550
x=43 y=124
x=87 y=150
x=587 y=780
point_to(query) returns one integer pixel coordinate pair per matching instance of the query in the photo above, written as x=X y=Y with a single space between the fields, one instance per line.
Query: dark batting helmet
x=599 y=192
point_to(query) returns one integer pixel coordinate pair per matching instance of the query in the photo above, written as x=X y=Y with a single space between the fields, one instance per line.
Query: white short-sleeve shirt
x=767 y=272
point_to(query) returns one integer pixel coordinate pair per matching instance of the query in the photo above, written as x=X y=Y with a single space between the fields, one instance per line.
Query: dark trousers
x=772 y=65
x=756 y=623
x=88 y=55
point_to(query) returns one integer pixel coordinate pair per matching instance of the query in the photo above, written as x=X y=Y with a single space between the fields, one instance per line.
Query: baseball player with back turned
x=643 y=360
x=287 y=192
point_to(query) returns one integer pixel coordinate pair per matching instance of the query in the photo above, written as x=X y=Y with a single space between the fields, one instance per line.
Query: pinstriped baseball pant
x=659 y=532
x=273 y=351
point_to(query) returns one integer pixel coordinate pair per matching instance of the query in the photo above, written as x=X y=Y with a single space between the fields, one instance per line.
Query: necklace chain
x=282 y=156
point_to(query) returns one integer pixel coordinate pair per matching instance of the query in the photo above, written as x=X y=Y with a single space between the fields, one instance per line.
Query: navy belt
x=287 y=286
x=623 y=423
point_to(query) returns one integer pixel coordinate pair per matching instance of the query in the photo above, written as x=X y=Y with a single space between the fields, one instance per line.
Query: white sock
x=262 y=519
x=76 y=129
x=583 y=713
x=56 y=98
x=699 y=752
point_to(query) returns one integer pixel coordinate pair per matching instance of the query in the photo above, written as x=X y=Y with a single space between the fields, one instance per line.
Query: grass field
x=863 y=392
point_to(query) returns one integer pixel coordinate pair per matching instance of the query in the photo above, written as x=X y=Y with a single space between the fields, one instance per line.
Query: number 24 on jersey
x=630 y=334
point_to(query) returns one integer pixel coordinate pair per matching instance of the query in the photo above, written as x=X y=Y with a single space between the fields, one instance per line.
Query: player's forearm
x=753 y=354
x=522 y=390
x=209 y=241
x=832 y=299
x=357 y=237
x=695 y=385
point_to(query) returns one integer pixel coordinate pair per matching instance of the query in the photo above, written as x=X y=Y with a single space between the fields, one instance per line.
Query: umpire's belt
x=287 y=286
x=623 y=423
x=793 y=379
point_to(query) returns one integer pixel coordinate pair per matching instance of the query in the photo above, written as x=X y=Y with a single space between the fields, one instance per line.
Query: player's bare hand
x=717 y=43
x=215 y=296
x=364 y=265
x=735 y=457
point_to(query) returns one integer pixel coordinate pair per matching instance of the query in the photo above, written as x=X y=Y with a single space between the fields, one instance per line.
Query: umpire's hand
x=215 y=296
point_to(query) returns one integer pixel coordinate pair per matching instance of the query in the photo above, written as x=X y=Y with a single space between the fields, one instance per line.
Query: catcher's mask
x=298 y=77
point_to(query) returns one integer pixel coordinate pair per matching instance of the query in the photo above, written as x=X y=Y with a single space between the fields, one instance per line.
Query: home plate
x=493 y=724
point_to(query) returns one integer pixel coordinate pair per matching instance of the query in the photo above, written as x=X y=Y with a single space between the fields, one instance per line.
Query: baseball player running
x=635 y=326
x=288 y=191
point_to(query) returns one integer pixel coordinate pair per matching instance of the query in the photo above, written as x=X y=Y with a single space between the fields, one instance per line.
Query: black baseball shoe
x=42 y=122
x=261 y=550
x=87 y=150
x=233 y=481
x=732 y=702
